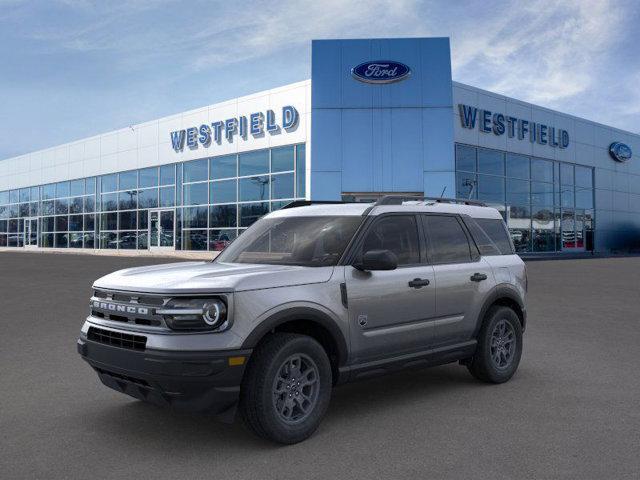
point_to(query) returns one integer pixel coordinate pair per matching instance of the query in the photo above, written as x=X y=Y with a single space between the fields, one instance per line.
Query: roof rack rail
x=399 y=199
x=306 y=203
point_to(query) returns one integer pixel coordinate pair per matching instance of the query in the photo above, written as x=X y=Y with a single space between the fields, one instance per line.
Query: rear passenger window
x=397 y=233
x=496 y=231
x=448 y=242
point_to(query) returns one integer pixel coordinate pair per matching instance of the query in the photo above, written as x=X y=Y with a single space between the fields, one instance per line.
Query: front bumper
x=191 y=381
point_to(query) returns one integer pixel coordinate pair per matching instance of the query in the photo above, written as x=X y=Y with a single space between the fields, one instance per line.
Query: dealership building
x=378 y=116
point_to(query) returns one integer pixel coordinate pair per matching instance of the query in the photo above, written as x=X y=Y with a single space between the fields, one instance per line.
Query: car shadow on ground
x=140 y=422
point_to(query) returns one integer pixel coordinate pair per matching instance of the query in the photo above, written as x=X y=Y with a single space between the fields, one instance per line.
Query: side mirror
x=378 y=260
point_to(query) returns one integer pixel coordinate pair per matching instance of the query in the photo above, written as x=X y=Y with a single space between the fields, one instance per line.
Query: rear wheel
x=287 y=387
x=499 y=346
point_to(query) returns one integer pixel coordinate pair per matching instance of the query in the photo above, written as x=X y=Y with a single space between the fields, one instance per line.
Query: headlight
x=214 y=313
x=195 y=314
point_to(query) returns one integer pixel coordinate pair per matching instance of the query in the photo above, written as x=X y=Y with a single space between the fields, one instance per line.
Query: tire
x=270 y=392
x=496 y=360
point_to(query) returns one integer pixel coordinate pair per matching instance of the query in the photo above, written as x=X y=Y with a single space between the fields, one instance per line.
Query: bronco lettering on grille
x=115 y=307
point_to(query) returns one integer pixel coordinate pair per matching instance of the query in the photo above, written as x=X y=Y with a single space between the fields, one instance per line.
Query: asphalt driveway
x=572 y=411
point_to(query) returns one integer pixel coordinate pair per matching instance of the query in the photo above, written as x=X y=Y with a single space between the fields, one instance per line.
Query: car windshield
x=316 y=241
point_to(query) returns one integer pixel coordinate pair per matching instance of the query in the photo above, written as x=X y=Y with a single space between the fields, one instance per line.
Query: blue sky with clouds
x=74 y=68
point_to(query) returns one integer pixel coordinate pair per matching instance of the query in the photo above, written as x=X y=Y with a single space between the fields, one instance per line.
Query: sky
x=70 y=69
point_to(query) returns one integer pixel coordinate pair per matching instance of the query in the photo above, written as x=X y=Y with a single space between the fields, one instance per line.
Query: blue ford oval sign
x=620 y=151
x=380 y=71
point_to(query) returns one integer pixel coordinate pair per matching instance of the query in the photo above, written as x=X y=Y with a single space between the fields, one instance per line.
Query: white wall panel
x=61 y=155
x=148 y=155
x=127 y=160
x=585 y=154
x=76 y=152
x=91 y=147
x=127 y=139
x=109 y=143
x=77 y=168
x=147 y=134
x=584 y=132
x=91 y=166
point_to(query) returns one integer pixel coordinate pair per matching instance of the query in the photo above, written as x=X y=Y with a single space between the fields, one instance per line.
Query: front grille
x=130 y=308
x=117 y=339
x=119 y=318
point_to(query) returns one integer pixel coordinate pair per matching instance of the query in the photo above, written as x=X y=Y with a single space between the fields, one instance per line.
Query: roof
x=356 y=209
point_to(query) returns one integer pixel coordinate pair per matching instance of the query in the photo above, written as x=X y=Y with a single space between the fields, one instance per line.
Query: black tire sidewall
x=274 y=428
x=483 y=355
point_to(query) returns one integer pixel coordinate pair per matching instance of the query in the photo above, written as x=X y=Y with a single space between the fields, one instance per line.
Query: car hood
x=207 y=277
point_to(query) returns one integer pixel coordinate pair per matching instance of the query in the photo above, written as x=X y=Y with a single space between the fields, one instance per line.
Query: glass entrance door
x=573 y=234
x=162 y=229
x=30 y=232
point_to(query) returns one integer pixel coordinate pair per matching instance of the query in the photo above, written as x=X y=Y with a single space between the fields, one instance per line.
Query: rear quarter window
x=491 y=236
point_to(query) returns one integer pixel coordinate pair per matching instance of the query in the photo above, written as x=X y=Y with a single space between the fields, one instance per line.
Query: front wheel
x=286 y=390
x=499 y=346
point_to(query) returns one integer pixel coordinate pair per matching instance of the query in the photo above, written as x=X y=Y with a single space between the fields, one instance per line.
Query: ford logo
x=620 y=151
x=380 y=71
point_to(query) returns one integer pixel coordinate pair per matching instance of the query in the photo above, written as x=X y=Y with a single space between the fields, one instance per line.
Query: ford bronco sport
x=309 y=297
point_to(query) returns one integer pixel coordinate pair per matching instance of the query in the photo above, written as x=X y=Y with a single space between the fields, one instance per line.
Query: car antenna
x=443 y=190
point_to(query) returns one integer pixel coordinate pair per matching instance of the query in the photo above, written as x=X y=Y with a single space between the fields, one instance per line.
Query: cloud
x=265 y=31
x=93 y=26
x=545 y=52
x=217 y=33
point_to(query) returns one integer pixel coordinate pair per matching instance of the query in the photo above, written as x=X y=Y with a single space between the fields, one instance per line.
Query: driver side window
x=398 y=234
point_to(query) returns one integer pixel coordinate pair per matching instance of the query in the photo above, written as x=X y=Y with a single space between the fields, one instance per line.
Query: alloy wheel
x=295 y=388
x=503 y=344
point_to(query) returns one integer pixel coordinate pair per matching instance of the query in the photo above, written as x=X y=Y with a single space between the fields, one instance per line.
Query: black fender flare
x=300 y=313
x=502 y=291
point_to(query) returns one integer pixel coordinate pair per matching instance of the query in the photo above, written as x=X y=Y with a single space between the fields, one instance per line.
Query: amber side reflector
x=236 y=361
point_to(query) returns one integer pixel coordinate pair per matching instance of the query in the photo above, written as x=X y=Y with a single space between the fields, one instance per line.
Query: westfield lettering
x=255 y=124
x=499 y=124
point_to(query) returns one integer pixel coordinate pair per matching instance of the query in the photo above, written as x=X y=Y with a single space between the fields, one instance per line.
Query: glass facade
x=548 y=205
x=196 y=205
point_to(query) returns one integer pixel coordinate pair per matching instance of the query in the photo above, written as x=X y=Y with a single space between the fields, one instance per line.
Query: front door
x=162 y=229
x=390 y=312
x=30 y=232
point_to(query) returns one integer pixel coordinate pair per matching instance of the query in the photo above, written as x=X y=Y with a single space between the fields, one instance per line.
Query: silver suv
x=308 y=297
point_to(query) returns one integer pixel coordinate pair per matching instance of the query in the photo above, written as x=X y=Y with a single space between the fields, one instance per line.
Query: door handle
x=478 y=277
x=418 y=283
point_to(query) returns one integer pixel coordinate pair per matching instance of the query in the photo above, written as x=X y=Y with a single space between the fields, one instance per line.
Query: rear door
x=462 y=278
x=390 y=312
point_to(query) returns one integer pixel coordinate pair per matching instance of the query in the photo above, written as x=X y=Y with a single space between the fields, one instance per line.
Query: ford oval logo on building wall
x=380 y=71
x=620 y=151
